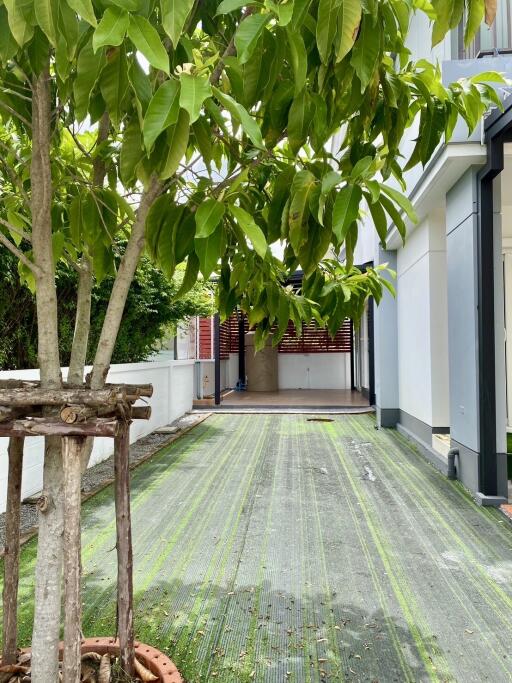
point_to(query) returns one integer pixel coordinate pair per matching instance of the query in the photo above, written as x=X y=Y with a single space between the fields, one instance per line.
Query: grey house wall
x=386 y=351
x=462 y=260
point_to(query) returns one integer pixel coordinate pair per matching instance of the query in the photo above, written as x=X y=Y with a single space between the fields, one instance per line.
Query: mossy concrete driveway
x=272 y=548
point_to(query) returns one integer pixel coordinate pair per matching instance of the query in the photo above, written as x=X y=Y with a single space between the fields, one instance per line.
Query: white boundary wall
x=173 y=384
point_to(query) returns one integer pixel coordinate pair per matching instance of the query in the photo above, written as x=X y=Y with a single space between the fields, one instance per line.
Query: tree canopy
x=229 y=110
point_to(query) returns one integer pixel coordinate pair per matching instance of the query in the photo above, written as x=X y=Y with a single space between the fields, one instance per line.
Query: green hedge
x=150 y=314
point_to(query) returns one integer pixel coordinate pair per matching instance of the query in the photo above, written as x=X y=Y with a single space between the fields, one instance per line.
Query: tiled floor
x=306 y=398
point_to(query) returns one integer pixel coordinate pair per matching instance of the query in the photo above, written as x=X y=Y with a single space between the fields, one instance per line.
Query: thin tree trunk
x=45 y=637
x=85 y=280
x=82 y=324
x=124 y=278
x=12 y=551
x=124 y=553
x=71 y=451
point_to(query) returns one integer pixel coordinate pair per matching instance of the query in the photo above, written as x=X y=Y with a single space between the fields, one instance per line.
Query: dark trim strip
x=216 y=351
x=487 y=461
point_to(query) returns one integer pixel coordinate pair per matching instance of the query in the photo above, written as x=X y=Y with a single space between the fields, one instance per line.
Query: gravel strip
x=96 y=477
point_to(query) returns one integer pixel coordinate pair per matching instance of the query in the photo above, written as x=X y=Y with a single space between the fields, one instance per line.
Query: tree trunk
x=124 y=553
x=85 y=280
x=45 y=638
x=121 y=286
x=12 y=552
x=71 y=451
x=82 y=324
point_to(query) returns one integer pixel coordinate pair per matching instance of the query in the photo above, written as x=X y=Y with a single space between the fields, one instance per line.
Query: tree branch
x=121 y=286
x=229 y=51
x=19 y=254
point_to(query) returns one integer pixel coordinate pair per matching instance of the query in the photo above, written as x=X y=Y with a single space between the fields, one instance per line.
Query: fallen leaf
x=104 y=671
x=144 y=674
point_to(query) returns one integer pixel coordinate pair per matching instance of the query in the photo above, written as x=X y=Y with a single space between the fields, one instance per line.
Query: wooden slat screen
x=316 y=340
x=205 y=338
x=313 y=339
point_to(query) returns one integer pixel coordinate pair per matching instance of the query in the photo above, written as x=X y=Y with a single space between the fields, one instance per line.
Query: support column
x=385 y=346
x=216 y=351
x=241 y=348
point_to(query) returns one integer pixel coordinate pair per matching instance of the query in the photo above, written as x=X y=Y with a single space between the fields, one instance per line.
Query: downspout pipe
x=452 y=470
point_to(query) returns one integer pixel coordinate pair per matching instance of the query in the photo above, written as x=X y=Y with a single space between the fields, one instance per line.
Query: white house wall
x=172 y=397
x=423 y=326
x=314 y=371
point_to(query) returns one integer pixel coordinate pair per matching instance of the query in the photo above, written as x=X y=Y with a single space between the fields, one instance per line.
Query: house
x=442 y=367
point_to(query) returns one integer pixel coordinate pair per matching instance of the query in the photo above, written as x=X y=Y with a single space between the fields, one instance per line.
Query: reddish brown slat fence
x=316 y=340
x=312 y=340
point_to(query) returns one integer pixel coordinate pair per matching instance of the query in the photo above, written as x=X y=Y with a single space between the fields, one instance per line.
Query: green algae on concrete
x=269 y=548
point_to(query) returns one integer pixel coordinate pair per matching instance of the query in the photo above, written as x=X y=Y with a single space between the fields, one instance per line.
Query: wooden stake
x=124 y=552
x=71 y=452
x=12 y=551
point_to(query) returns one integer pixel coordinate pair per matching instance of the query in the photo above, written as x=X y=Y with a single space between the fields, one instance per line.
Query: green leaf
x=21 y=19
x=394 y=215
x=141 y=86
x=379 y=220
x=302 y=188
x=208 y=216
x=227 y=6
x=402 y=201
x=57 y=245
x=195 y=89
x=488 y=77
x=349 y=19
x=361 y=167
x=208 y=251
x=247 y=35
x=174 y=15
x=251 y=230
x=298 y=58
x=8 y=45
x=242 y=116
x=366 y=51
x=112 y=28
x=345 y=210
x=47 y=16
x=474 y=17
x=177 y=139
x=147 y=41
x=162 y=112
x=114 y=85
x=88 y=69
x=84 y=9
x=299 y=121
x=326 y=26
x=190 y=277
x=131 y=151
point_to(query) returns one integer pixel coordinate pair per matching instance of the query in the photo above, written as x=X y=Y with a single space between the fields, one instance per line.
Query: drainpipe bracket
x=489 y=501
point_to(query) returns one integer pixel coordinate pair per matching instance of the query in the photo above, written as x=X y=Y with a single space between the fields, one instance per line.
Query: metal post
x=488 y=461
x=216 y=344
x=352 y=368
x=371 y=352
x=241 y=348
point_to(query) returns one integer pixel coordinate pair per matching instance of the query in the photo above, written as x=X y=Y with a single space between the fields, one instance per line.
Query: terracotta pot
x=154 y=660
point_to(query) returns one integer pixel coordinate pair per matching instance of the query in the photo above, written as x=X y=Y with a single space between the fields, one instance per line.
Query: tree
x=200 y=130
